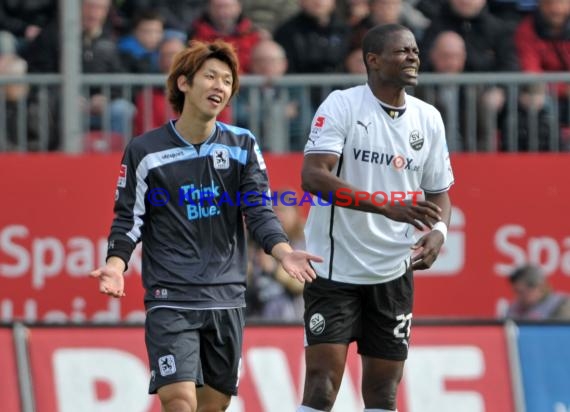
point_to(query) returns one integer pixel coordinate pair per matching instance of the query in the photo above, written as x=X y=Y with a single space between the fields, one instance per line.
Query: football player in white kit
x=369 y=139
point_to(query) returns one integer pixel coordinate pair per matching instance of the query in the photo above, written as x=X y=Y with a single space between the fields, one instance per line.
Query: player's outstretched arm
x=295 y=262
x=318 y=179
x=111 y=281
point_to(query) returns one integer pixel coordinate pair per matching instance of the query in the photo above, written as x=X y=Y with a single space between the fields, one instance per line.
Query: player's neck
x=389 y=94
x=195 y=130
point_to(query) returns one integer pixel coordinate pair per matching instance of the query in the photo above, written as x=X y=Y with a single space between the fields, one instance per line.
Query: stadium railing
x=38 y=122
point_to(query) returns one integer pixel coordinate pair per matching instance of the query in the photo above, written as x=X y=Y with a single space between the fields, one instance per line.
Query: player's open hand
x=111 y=281
x=426 y=250
x=418 y=213
x=297 y=265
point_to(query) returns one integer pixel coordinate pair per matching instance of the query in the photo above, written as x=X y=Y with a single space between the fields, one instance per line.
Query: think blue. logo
x=205 y=201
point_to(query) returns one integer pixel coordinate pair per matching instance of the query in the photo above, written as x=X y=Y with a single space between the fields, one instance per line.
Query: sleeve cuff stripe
x=322 y=151
x=445 y=189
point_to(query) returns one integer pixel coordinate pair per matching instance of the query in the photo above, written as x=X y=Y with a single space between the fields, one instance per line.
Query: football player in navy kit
x=194 y=246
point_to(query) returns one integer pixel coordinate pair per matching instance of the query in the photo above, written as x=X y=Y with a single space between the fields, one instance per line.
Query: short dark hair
x=147 y=15
x=377 y=37
x=530 y=275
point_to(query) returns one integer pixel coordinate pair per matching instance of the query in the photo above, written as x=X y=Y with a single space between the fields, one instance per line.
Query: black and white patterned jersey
x=188 y=207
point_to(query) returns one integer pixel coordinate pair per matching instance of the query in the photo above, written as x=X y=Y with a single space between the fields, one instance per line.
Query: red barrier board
x=9 y=395
x=57 y=210
x=448 y=366
x=453 y=368
x=92 y=369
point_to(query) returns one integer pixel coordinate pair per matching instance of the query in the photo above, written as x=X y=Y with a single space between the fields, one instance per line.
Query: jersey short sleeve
x=328 y=129
x=438 y=173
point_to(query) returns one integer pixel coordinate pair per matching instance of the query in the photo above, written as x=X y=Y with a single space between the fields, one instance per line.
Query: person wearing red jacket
x=543 y=38
x=223 y=19
x=543 y=45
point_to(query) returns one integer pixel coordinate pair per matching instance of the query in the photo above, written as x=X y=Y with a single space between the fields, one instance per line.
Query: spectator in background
x=315 y=39
x=543 y=45
x=490 y=48
x=388 y=11
x=352 y=11
x=26 y=18
x=283 y=112
x=99 y=55
x=122 y=14
x=15 y=103
x=354 y=62
x=448 y=56
x=534 y=298
x=268 y=15
x=179 y=14
x=511 y=11
x=153 y=109
x=22 y=112
x=8 y=43
x=139 y=49
x=429 y=8
x=223 y=19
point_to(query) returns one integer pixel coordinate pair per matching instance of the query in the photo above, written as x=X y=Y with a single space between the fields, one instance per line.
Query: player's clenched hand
x=427 y=248
x=296 y=264
x=111 y=281
x=416 y=213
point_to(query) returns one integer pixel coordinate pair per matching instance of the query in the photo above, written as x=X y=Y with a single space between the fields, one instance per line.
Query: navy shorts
x=202 y=346
x=378 y=317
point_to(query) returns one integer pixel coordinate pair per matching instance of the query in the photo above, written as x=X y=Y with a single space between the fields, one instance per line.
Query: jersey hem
x=367 y=279
x=151 y=307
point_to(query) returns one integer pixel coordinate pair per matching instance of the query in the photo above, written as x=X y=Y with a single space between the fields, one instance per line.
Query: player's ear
x=182 y=83
x=373 y=60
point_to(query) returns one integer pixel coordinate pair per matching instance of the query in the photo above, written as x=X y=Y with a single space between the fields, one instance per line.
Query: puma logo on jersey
x=358 y=122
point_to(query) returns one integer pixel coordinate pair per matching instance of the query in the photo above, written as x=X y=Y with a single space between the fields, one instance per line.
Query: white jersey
x=376 y=153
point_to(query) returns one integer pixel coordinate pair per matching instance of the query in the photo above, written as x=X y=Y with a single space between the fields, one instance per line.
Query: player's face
x=211 y=88
x=399 y=62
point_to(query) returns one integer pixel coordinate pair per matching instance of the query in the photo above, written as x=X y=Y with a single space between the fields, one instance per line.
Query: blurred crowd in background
x=274 y=38
x=280 y=37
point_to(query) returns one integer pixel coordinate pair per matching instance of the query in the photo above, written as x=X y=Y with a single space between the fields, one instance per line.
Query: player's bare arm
x=317 y=177
x=428 y=246
x=295 y=262
x=111 y=281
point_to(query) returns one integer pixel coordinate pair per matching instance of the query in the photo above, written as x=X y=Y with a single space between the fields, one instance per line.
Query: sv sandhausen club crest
x=317 y=324
x=416 y=139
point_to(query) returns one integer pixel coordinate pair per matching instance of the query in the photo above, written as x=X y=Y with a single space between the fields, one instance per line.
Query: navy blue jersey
x=188 y=207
